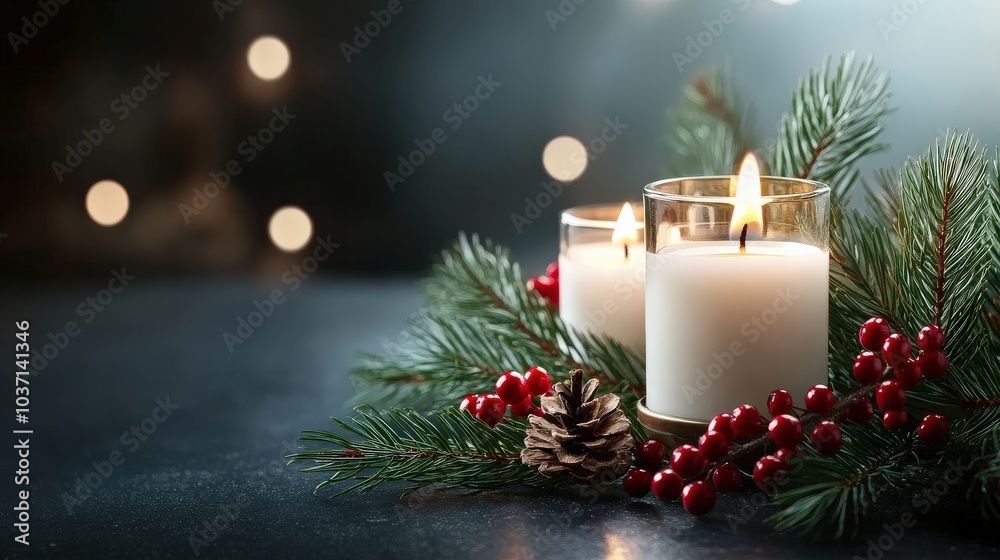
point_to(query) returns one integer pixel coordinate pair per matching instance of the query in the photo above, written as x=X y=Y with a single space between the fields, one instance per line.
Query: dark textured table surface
x=209 y=479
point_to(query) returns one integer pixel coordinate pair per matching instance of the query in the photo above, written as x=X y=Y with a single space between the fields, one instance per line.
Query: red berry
x=786 y=455
x=535 y=410
x=523 y=408
x=698 y=498
x=867 y=368
x=469 y=404
x=722 y=423
x=511 y=387
x=765 y=469
x=546 y=286
x=896 y=349
x=713 y=445
x=895 y=419
x=538 y=381
x=890 y=395
x=827 y=438
x=909 y=373
x=490 y=409
x=873 y=333
x=933 y=363
x=726 y=477
x=779 y=402
x=637 y=482
x=785 y=430
x=820 y=399
x=667 y=485
x=860 y=411
x=687 y=461
x=930 y=338
x=552 y=271
x=933 y=430
x=649 y=455
x=745 y=421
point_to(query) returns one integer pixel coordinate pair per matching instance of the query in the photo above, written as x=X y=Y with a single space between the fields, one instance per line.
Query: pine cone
x=579 y=435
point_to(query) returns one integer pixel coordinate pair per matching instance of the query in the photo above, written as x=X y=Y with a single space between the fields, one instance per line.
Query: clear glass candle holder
x=728 y=321
x=602 y=272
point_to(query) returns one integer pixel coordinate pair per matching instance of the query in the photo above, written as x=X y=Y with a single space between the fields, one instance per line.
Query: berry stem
x=808 y=419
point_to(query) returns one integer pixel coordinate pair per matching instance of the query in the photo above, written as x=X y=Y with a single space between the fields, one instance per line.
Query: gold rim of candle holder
x=671 y=431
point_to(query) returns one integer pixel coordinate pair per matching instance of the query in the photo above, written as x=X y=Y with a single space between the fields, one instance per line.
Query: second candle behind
x=602 y=273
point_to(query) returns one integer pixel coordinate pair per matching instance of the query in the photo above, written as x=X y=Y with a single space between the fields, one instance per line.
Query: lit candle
x=602 y=272
x=735 y=310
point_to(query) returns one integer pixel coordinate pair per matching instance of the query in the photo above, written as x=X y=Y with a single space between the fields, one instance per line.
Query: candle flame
x=747 y=209
x=625 y=228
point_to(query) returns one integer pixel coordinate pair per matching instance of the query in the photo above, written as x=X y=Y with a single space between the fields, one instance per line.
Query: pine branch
x=452 y=450
x=933 y=263
x=710 y=129
x=834 y=121
x=832 y=495
x=480 y=321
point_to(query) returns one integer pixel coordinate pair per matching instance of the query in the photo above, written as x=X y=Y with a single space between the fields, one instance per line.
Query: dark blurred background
x=367 y=88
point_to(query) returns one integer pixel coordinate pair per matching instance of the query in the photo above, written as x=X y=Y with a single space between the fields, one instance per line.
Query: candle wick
x=743 y=239
x=626 y=250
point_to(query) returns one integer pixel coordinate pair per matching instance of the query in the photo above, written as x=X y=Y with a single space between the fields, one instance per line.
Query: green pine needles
x=926 y=251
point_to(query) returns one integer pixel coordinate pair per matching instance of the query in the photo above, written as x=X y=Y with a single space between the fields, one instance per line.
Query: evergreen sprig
x=481 y=321
x=932 y=263
x=710 y=129
x=452 y=450
x=834 y=121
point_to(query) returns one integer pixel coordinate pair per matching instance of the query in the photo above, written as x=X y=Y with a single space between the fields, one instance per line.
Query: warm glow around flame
x=748 y=202
x=625 y=228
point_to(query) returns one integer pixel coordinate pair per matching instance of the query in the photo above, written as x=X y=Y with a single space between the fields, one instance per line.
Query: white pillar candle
x=726 y=328
x=601 y=282
x=729 y=320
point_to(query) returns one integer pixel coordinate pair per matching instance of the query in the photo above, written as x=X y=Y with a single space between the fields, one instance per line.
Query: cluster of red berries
x=547 y=285
x=896 y=353
x=514 y=390
x=683 y=478
x=696 y=473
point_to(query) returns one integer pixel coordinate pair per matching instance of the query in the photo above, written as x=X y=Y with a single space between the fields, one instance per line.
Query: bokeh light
x=290 y=228
x=268 y=57
x=565 y=158
x=107 y=202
